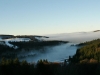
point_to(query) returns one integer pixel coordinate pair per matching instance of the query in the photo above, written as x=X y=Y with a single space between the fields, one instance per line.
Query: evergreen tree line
x=89 y=53
x=32 y=44
x=10 y=52
x=43 y=67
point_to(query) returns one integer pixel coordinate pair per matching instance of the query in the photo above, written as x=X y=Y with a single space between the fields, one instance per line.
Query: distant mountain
x=6 y=36
x=96 y=31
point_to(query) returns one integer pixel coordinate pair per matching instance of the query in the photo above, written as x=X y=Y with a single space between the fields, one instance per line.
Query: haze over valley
x=54 y=47
x=49 y=37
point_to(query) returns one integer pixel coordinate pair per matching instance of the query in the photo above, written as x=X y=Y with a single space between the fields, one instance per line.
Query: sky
x=40 y=17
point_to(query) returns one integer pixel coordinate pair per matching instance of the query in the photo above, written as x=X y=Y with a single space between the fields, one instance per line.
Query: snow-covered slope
x=74 y=37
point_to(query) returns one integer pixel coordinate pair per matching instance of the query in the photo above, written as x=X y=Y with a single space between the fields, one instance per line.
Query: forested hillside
x=86 y=61
x=89 y=53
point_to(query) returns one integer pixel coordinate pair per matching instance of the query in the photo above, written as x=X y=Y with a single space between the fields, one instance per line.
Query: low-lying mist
x=53 y=54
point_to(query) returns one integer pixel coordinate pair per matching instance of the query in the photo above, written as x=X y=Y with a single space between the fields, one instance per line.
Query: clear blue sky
x=48 y=16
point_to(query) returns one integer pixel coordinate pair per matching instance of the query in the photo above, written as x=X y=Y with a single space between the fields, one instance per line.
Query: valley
x=55 y=48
